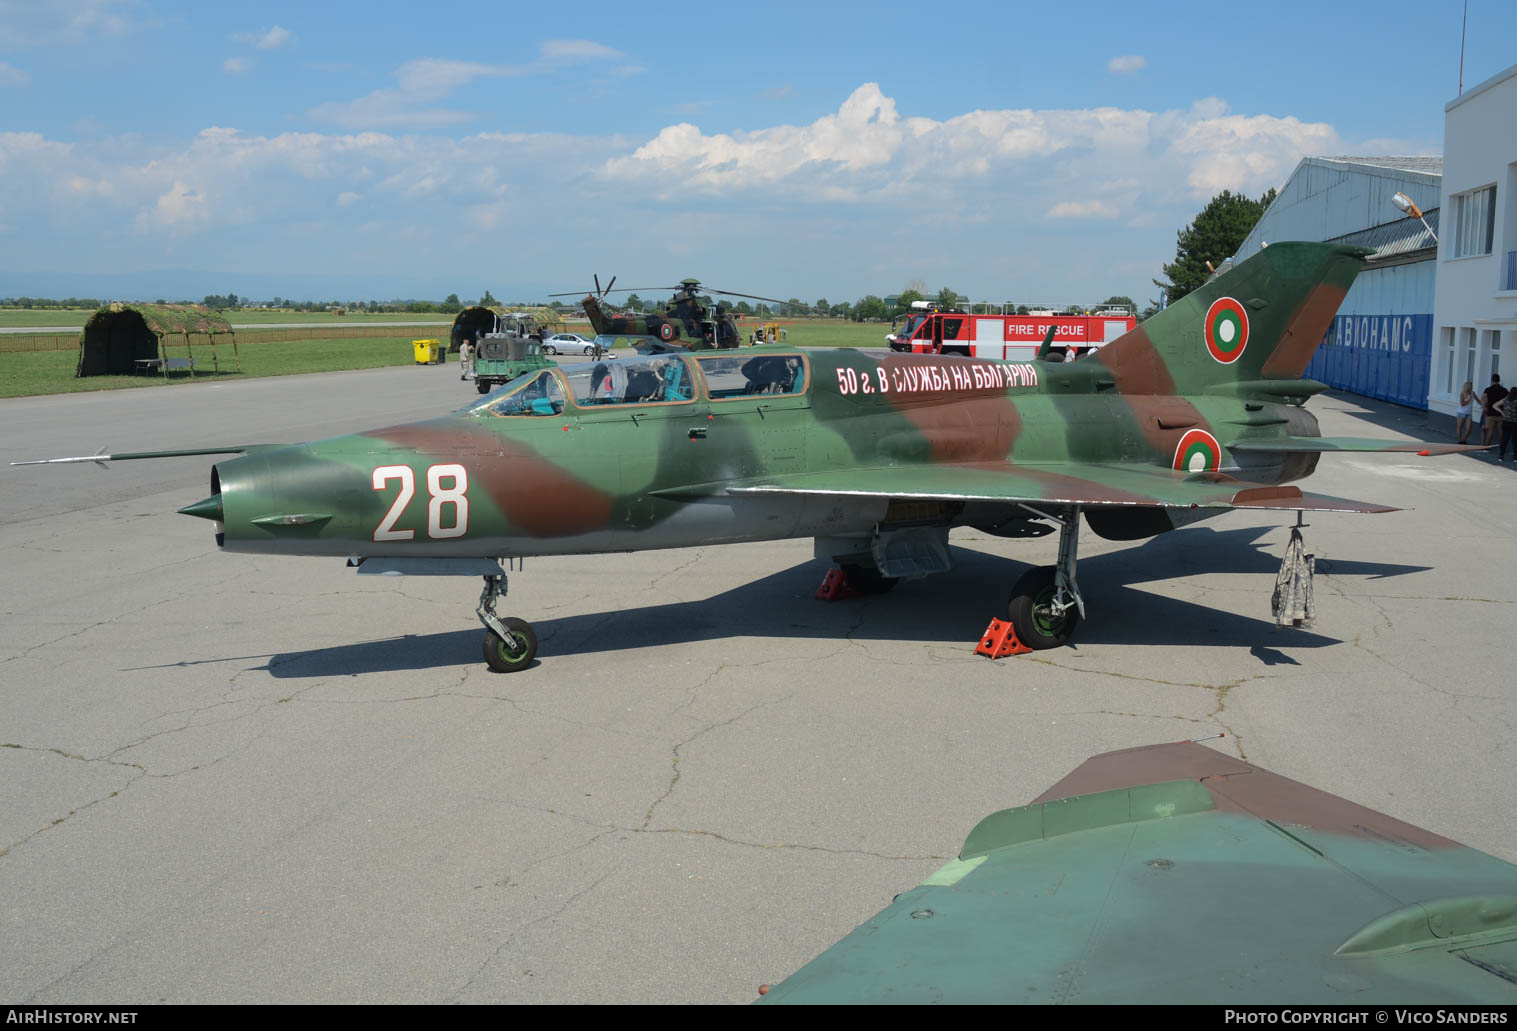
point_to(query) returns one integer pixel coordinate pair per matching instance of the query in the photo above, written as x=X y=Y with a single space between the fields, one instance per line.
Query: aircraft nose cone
x=210 y=508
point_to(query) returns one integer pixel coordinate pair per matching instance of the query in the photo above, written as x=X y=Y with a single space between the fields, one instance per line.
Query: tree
x=1119 y=301
x=903 y=302
x=634 y=302
x=821 y=306
x=948 y=298
x=870 y=307
x=488 y=300
x=1214 y=236
x=453 y=305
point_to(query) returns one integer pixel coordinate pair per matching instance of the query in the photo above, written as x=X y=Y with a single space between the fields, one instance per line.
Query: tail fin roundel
x=1262 y=320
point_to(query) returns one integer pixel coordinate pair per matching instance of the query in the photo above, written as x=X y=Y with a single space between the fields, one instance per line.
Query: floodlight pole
x=1404 y=203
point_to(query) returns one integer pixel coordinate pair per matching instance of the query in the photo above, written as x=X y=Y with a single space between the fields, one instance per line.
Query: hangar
x=124 y=339
x=1380 y=343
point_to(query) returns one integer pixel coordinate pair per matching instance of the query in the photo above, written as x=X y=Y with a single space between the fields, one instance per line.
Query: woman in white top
x=1464 y=413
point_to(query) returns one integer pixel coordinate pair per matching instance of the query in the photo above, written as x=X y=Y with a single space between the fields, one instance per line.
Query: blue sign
x=1385 y=356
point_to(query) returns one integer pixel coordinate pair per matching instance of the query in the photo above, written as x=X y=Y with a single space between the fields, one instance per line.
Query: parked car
x=568 y=343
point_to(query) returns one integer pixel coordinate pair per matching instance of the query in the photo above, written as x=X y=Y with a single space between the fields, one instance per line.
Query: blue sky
x=1010 y=151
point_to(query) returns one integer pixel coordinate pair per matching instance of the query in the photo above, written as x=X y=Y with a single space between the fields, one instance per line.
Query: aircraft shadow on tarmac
x=951 y=609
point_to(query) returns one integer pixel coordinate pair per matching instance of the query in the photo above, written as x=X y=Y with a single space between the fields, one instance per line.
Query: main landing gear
x=1045 y=604
x=510 y=644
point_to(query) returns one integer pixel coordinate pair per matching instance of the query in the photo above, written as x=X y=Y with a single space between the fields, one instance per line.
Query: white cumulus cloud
x=13 y=76
x=869 y=150
x=1127 y=64
x=237 y=65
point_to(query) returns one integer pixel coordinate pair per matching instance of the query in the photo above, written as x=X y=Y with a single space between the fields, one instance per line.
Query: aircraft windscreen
x=535 y=393
x=736 y=377
x=643 y=379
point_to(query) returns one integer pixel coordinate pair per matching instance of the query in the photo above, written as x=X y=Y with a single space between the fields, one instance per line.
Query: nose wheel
x=510 y=644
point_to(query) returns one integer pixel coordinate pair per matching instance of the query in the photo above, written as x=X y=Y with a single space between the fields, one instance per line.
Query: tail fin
x=1261 y=321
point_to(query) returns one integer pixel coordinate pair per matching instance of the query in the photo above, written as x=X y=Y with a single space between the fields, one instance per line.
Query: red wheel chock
x=999 y=641
x=835 y=587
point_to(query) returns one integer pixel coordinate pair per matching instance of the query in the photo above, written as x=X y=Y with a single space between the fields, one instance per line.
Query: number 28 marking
x=456 y=494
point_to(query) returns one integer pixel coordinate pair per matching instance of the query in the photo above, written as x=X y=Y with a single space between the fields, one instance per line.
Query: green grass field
x=28 y=373
x=52 y=372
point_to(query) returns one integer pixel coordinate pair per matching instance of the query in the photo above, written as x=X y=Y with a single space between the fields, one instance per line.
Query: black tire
x=962 y=352
x=1055 y=354
x=483 y=386
x=549 y=349
x=515 y=654
x=1036 y=626
x=868 y=580
x=589 y=351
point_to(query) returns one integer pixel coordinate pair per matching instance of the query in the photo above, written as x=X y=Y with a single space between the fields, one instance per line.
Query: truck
x=932 y=329
x=513 y=347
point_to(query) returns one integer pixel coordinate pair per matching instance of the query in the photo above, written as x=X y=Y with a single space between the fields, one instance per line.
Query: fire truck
x=930 y=329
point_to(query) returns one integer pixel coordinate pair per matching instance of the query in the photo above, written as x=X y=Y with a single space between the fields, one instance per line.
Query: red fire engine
x=1007 y=337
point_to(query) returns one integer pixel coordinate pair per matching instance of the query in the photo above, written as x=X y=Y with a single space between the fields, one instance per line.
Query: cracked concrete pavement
x=250 y=779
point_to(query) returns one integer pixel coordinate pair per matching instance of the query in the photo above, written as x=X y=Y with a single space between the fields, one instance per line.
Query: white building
x=1475 y=310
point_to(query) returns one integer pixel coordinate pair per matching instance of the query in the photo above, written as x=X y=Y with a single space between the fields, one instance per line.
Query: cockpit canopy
x=644 y=380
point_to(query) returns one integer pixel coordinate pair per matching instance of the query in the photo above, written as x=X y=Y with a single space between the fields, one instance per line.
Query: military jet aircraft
x=1197 y=411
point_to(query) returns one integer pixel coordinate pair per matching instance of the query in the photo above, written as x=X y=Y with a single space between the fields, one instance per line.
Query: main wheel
x=549 y=349
x=1031 y=611
x=483 y=386
x=868 y=580
x=589 y=351
x=515 y=652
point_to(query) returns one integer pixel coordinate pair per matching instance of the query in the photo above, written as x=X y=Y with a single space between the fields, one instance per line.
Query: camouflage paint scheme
x=871 y=443
x=1177 y=874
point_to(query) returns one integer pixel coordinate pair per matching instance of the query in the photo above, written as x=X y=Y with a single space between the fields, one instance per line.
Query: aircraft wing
x=1176 y=874
x=1042 y=483
x=1370 y=444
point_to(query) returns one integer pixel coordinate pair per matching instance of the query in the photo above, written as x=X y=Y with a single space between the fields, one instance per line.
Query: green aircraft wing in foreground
x=1197 y=411
x=1176 y=874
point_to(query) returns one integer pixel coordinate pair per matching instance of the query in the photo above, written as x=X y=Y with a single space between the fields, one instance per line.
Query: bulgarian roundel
x=1198 y=452
x=1226 y=330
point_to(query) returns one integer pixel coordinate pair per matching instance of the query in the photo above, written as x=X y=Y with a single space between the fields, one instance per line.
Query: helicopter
x=691 y=321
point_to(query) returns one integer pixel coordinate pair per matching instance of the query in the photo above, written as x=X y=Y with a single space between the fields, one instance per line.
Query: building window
x=1493 y=341
x=1469 y=353
x=1474 y=222
x=1446 y=348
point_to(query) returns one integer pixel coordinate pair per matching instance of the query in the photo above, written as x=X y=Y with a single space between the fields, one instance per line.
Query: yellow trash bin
x=427 y=352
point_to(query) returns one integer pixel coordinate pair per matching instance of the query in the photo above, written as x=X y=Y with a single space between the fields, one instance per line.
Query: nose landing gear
x=510 y=644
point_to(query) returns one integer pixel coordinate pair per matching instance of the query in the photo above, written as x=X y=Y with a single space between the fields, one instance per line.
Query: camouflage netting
x=475 y=321
x=122 y=339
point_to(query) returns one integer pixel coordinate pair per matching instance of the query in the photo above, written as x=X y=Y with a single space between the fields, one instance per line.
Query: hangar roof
x=1398 y=238
x=1332 y=198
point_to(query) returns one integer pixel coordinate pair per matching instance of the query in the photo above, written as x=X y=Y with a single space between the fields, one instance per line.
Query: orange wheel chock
x=835 y=587
x=999 y=641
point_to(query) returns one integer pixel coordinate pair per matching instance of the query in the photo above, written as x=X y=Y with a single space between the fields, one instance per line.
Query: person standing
x=1467 y=402
x=1494 y=394
x=1507 y=406
x=465 y=353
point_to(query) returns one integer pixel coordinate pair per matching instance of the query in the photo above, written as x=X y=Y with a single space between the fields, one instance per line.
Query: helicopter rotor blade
x=755 y=297
x=598 y=291
x=608 y=287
